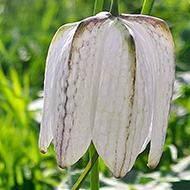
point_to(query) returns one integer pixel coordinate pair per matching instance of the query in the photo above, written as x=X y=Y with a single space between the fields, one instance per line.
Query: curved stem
x=86 y=171
x=147 y=7
x=94 y=177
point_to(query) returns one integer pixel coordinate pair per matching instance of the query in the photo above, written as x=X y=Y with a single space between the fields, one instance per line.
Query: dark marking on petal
x=63 y=119
x=68 y=139
x=115 y=164
x=132 y=94
x=42 y=151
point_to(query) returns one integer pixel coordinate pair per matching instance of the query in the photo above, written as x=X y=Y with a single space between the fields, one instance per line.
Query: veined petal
x=58 y=53
x=124 y=111
x=76 y=91
x=115 y=97
x=155 y=51
x=110 y=80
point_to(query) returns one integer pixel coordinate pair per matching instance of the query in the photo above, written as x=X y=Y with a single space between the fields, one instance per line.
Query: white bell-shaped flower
x=108 y=80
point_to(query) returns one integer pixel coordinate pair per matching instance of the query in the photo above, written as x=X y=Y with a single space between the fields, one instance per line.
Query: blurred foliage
x=21 y=164
x=26 y=29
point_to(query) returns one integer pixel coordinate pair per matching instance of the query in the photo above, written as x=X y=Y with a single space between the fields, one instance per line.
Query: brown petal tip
x=151 y=166
x=42 y=151
x=61 y=166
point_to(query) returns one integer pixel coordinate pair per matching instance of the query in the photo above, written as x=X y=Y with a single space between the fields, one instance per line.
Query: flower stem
x=86 y=171
x=114 y=7
x=147 y=7
x=94 y=178
x=98 y=6
x=111 y=6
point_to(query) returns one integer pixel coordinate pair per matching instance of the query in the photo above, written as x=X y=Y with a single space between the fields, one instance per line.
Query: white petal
x=60 y=43
x=96 y=90
x=123 y=107
x=155 y=50
x=76 y=92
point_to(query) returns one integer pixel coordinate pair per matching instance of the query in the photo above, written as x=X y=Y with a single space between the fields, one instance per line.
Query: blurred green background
x=26 y=29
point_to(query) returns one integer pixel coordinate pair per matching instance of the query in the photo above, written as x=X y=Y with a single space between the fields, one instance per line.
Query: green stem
x=86 y=171
x=106 y=5
x=94 y=178
x=114 y=7
x=98 y=6
x=111 y=6
x=147 y=7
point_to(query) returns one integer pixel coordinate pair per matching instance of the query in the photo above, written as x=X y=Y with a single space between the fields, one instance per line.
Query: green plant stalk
x=114 y=8
x=94 y=177
x=86 y=171
x=98 y=6
x=111 y=6
x=147 y=7
x=106 y=5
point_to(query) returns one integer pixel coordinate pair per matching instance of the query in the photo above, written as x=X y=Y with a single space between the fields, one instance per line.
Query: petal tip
x=152 y=165
x=61 y=165
x=43 y=151
x=154 y=159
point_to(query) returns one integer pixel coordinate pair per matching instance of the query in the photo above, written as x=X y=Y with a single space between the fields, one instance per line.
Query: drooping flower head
x=108 y=80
